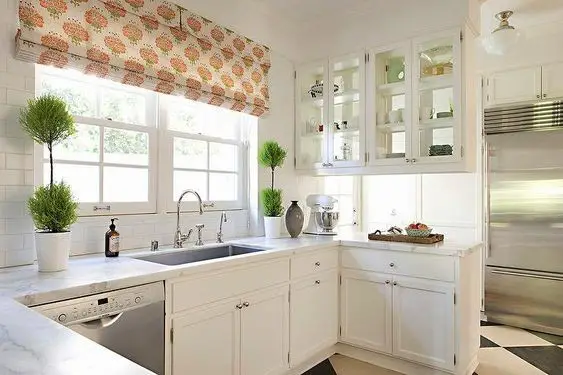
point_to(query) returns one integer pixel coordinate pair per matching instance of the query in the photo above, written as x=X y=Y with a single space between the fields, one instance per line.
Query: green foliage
x=47 y=120
x=271 y=155
x=53 y=208
x=272 y=202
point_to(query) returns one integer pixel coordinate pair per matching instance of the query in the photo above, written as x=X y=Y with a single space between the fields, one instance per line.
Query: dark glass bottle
x=112 y=241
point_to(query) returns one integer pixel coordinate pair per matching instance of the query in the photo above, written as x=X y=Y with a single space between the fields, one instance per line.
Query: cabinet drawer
x=395 y=262
x=305 y=265
x=199 y=290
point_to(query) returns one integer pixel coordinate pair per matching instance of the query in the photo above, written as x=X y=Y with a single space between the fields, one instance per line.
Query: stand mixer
x=322 y=218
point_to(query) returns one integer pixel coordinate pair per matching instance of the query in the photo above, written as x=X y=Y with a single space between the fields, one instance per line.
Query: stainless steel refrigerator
x=524 y=179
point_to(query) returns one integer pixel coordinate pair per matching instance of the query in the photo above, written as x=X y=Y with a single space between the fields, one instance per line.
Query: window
x=205 y=147
x=346 y=190
x=135 y=148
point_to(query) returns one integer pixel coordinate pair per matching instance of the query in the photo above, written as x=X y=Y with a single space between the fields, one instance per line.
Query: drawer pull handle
x=239 y=306
x=317 y=282
x=391 y=265
x=246 y=304
x=318 y=264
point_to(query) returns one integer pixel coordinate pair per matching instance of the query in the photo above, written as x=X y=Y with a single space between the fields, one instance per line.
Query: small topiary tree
x=48 y=122
x=271 y=155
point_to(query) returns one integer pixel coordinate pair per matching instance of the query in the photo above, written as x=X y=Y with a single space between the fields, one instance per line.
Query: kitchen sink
x=197 y=255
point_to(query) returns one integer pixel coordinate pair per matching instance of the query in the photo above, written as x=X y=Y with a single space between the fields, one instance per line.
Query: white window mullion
x=101 y=168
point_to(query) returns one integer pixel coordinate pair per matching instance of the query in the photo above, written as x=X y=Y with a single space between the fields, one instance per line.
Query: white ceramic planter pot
x=272 y=226
x=53 y=250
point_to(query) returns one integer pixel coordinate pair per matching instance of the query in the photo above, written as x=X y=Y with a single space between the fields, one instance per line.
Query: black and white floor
x=504 y=351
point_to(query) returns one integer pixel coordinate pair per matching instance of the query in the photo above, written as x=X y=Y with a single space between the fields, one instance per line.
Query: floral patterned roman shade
x=148 y=43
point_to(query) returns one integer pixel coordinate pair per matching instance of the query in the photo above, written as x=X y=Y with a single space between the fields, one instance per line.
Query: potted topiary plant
x=272 y=156
x=52 y=207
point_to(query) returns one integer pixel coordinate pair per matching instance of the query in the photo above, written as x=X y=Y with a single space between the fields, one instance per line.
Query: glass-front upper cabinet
x=330 y=113
x=389 y=77
x=347 y=111
x=311 y=116
x=437 y=112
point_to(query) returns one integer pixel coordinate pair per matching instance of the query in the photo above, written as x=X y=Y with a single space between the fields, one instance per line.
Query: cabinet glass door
x=311 y=116
x=391 y=79
x=436 y=132
x=346 y=125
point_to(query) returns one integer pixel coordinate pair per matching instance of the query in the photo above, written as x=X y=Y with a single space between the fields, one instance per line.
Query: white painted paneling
x=448 y=198
x=391 y=200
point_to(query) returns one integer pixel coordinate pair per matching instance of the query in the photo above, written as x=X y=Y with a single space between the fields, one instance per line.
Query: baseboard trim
x=472 y=366
x=396 y=364
x=313 y=361
x=378 y=359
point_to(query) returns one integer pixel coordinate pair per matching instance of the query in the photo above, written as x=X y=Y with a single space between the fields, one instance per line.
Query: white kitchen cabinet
x=515 y=85
x=552 y=80
x=314 y=316
x=330 y=113
x=423 y=321
x=528 y=84
x=264 y=331
x=366 y=310
x=411 y=309
x=247 y=336
x=207 y=341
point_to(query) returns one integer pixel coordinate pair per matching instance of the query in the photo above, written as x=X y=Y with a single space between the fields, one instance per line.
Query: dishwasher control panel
x=102 y=305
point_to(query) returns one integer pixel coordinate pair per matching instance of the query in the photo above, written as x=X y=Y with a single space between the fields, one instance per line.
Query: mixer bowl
x=327 y=220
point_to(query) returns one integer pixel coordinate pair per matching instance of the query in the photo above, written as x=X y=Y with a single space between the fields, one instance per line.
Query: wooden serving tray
x=433 y=238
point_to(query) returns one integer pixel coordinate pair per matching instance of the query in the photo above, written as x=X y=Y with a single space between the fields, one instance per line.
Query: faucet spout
x=179 y=238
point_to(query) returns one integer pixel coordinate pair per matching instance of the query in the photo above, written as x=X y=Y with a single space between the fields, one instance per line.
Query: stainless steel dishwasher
x=128 y=321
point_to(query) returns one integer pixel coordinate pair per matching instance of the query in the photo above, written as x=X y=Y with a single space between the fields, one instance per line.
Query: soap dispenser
x=112 y=241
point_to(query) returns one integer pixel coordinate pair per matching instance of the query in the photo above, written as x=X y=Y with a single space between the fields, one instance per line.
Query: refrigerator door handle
x=530 y=275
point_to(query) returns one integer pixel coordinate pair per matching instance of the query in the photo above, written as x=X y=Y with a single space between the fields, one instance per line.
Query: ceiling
x=316 y=11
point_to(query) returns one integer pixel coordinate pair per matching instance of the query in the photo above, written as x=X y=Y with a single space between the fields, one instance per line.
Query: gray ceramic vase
x=294 y=219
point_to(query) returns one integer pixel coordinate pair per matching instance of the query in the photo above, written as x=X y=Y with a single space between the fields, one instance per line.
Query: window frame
x=168 y=202
x=160 y=142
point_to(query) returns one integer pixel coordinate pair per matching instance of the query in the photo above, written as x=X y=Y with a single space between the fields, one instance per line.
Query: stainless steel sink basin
x=197 y=255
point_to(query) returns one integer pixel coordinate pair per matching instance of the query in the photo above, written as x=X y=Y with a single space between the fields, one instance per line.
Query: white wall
x=16 y=165
x=449 y=203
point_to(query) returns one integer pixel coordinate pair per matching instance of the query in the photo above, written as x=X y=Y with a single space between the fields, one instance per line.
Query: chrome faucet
x=180 y=238
x=221 y=221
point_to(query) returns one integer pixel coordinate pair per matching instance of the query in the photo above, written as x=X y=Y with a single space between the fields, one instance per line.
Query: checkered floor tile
x=504 y=351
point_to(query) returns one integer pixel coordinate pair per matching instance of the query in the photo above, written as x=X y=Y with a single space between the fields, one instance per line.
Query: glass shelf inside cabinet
x=436 y=122
x=311 y=121
x=436 y=63
x=390 y=102
x=345 y=129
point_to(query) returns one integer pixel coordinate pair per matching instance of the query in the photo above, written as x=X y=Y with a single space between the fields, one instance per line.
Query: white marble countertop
x=55 y=349
x=31 y=344
x=445 y=248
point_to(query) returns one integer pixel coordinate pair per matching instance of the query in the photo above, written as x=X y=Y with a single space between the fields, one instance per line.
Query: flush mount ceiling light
x=503 y=37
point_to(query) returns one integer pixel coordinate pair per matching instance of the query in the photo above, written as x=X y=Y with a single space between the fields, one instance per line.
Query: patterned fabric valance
x=148 y=43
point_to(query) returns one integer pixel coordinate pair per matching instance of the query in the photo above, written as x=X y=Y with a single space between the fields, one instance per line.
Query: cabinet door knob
x=545 y=95
x=317 y=282
x=394 y=283
x=318 y=264
x=246 y=304
x=408 y=160
x=413 y=160
x=387 y=282
x=538 y=96
x=391 y=265
x=239 y=306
